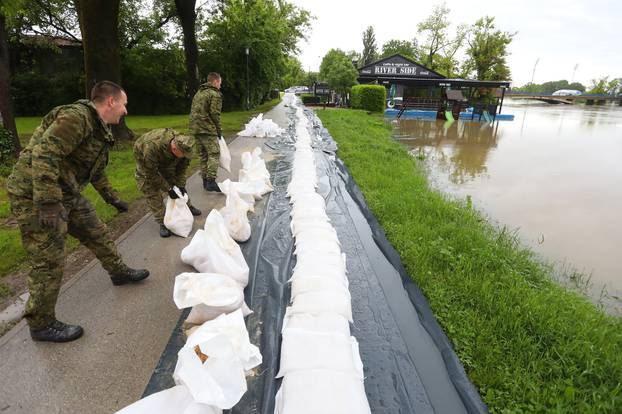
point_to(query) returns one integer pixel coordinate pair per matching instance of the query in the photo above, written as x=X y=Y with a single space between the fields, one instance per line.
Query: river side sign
x=397 y=66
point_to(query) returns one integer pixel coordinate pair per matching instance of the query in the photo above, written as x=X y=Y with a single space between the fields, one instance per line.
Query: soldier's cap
x=186 y=144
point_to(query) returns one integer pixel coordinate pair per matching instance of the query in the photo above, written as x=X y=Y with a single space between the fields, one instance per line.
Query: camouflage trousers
x=155 y=199
x=209 y=153
x=45 y=249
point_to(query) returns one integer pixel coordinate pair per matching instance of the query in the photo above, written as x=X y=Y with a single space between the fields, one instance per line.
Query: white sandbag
x=220 y=380
x=234 y=214
x=214 y=251
x=327 y=323
x=254 y=169
x=248 y=192
x=173 y=400
x=323 y=302
x=178 y=217
x=304 y=350
x=317 y=284
x=210 y=295
x=225 y=155
x=321 y=391
x=261 y=128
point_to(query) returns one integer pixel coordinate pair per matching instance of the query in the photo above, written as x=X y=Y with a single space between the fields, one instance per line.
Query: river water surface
x=554 y=173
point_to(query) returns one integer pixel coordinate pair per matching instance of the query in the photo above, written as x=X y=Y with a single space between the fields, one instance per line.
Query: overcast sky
x=560 y=33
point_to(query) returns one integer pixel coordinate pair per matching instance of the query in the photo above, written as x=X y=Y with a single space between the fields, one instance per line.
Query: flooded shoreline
x=553 y=174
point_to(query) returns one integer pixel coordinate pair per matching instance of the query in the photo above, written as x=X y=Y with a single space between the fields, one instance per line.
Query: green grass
x=120 y=172
x=528 y=344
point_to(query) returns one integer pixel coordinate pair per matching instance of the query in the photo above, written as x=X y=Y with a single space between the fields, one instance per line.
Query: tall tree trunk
x=6 y=110
x=99 y=25
x=188 y=17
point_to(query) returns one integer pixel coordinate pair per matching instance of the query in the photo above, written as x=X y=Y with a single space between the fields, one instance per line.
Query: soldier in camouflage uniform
x=67 y=151
x=205 y=125
x=162 y=159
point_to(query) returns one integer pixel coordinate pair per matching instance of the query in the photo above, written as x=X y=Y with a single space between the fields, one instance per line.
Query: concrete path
x=126 y=327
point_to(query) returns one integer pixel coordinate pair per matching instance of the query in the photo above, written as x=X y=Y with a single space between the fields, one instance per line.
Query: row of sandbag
x=212 y=366
x=320 y=362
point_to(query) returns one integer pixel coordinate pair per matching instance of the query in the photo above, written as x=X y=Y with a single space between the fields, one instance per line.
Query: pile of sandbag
x=261 y=128
x=211 y=369
x=320 y=363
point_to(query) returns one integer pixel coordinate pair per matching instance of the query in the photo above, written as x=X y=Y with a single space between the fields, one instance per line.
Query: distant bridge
x=588 y=99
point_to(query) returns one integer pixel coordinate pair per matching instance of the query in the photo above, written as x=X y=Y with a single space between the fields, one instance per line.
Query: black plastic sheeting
x=409 y=364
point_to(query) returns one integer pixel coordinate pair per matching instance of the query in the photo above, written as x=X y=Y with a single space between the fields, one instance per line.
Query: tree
x=187 y=18
x=435 y=30
x=370 y=51
x=403 y=47
x=604 y=86
x=337 y=70
x=487 y=51
x=99 y=23
x=7 y=119
x=270 y=31
x=294 y=74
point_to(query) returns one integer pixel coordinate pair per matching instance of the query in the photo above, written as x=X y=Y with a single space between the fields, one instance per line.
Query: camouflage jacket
x=205 y=111
x=154 y=160
x=66 y=152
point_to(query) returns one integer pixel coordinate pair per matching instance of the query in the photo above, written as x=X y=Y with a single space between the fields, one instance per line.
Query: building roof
x=400 y=69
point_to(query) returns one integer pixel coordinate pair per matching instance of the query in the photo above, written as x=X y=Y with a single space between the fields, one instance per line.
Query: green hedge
x=369 y=97
x=311 y=99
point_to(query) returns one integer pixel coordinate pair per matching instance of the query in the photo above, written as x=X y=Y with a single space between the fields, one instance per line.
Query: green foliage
x=550 y=87
x=155 y=80
x=270 y=31
x=6 y=145
x=403 y=47
x=435 y=30
x=528 y=344
x=369 y=97
x=337 y=70
x=370 y=51
x=604 y=86
x=35 y=93
x=294 y=74
x=488 y=50
x=311 y=99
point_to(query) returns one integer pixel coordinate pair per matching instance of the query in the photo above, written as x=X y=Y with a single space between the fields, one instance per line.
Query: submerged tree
x=488 y=50
x=370 y=51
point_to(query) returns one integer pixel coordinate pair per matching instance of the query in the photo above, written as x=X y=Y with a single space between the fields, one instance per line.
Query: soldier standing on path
x=205 y=125
x=162 y=159
x=67 y=151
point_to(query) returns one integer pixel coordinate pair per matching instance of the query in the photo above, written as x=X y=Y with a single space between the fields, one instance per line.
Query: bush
x=369 y=97
x=6 y=145
x=310 y=99
x=35 y=93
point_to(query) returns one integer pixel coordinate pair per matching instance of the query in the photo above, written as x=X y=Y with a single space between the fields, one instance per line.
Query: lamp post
x=248 y=90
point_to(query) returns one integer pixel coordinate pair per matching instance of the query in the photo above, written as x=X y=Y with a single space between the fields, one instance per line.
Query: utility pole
x=533 y=73
x=573 y=72
x=248 y=89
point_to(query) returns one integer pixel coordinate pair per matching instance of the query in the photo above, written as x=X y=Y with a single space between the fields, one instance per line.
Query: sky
x=561 y=34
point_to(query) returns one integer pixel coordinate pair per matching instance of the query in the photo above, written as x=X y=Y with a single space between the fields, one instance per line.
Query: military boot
x=210 y=185
x=57 y=331
x=195 y=211
x=164 y=232
x=128 y=275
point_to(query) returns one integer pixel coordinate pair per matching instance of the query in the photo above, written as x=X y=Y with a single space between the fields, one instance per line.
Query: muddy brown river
x=554 y=173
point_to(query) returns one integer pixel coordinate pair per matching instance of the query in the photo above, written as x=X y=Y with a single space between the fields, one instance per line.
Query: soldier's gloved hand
x=172 y=194
x=120 y=205
x=183 y=191
x=51 y=214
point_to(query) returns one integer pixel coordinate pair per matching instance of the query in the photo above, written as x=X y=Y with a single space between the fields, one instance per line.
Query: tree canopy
x=487 y=51
x=370 y=50
x=337 y=70
x=403 y=47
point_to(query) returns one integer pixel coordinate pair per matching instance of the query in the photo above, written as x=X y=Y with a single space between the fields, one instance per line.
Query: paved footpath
x=126 y=327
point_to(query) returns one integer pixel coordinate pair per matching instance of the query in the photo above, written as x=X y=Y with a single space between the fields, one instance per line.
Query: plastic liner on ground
x=409 y=364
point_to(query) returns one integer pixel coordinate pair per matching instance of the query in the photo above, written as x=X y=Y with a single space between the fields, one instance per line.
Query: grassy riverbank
x=120 y=172
x=529 y=345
